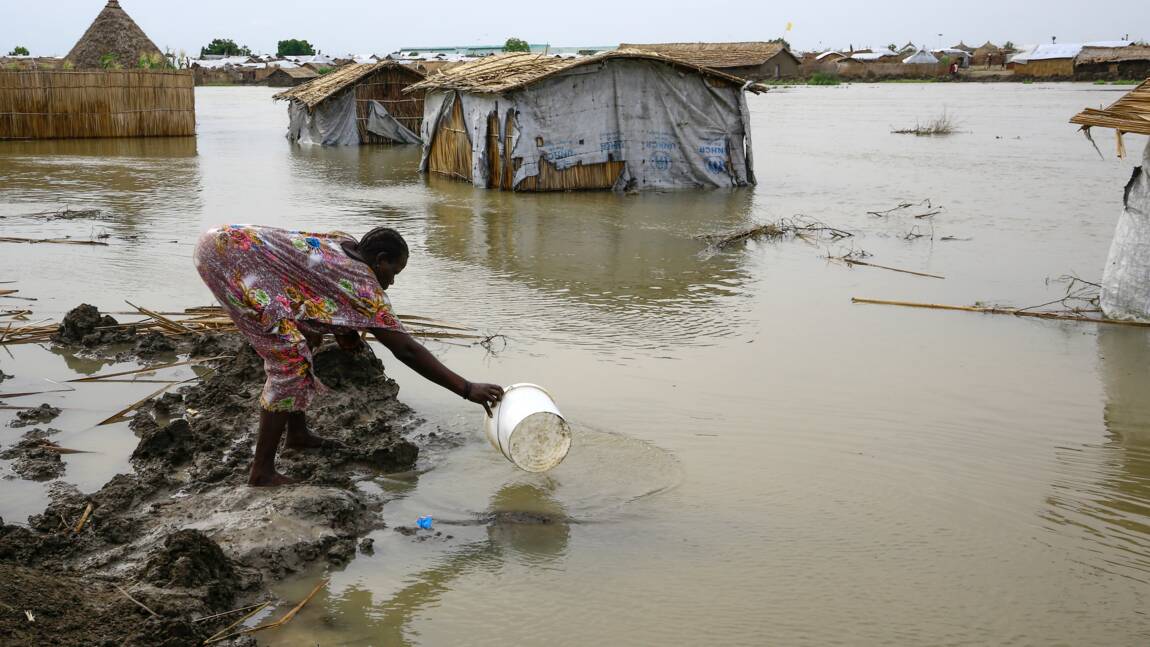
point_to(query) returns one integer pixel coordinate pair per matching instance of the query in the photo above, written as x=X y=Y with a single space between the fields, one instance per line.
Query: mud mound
x=154 y=344
x=173 y=444
x=70 y=612
x=36 y=415
x=190 y=560
x=34 y=461
x=218 y=539
x=33 y=456
x=85 y=326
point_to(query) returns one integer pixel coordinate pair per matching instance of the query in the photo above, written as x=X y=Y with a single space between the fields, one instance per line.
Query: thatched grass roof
x=112 y=32
x=298 y=73
x=1130 y=114
x=716 y=55
x=505 y=72
x=1090 y=54
x=318 y=90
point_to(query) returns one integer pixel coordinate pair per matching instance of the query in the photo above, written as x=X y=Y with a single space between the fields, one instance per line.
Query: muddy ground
x=182 y=533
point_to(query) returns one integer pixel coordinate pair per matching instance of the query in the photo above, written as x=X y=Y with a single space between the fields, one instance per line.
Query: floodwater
x=756 y=460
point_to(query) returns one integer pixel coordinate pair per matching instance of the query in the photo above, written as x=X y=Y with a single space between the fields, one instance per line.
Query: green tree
x=516 y=45
x=892 y=47
x=1008 y=45
x=109 y=61
x=225 y=47
x=19 y=50
x=781 y=41
x=294 y=47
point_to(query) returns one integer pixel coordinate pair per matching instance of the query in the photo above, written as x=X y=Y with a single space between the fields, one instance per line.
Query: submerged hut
x=357 y=104
x=107 y=95
x=749 y=60
x=1126 y=279
x=624 y=119
x=289 y=77
x=113 y=40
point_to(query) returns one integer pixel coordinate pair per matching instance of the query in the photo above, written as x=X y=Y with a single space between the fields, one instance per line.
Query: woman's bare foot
x=269 y=480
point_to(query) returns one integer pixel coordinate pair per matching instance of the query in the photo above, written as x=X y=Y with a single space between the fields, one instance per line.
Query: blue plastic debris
x=424 y=522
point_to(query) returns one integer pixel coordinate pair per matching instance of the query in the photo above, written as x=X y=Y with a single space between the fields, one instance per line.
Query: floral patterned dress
x=278 y=284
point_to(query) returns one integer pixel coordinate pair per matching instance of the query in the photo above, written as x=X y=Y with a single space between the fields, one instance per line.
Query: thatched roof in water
x=318 y=90
x=506 y=72
x=1090 y=55
x=1130 y=114
x=716 y=55
x=112 y=32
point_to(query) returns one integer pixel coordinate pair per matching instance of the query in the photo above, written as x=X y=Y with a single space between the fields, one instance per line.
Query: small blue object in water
x=424 y=522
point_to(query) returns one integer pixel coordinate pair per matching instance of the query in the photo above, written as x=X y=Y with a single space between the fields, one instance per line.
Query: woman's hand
x=487 y=395
x=349 y=342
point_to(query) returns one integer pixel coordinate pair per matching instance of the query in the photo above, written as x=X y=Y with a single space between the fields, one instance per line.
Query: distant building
x=1054 y=60
x=748 y=60
x=921 y=57
x=988 y=55
x=290 y=77
x=1112 y=63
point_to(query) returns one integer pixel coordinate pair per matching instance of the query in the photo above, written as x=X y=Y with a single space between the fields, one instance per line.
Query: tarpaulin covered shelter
x=356 y=104
x=1126 y=279
x=624 y=119
x=921 y=57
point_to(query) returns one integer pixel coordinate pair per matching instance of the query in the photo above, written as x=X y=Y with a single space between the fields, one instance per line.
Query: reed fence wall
x=386 y=86
x=67 y=104
x=451 y=147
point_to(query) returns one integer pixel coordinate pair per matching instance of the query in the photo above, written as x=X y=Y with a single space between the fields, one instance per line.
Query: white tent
x=921 y=57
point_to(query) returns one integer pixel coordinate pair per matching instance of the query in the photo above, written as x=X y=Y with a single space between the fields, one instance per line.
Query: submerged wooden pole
x=1000 y=311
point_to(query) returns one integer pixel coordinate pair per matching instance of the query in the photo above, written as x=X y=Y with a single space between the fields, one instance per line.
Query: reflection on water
x=522 y=522
x=1105 y=492
x=635 y=260
x=124 y=178
x=356 y=167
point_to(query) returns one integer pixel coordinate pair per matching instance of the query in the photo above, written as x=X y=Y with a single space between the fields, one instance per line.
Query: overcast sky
x=50 y=27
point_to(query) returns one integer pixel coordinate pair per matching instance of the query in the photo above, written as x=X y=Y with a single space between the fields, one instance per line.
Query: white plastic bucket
x=527 y=428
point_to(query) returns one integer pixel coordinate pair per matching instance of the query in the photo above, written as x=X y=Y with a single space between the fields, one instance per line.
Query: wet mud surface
x=183 y=533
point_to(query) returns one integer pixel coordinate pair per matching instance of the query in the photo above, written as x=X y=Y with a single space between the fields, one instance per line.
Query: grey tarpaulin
x=333 y=123
x=380 y=122
x=1126 y=280
x=670 y=127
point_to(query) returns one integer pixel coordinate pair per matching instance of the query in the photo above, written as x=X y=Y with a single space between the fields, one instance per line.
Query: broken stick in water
x=1018 y=312
x=851 y=262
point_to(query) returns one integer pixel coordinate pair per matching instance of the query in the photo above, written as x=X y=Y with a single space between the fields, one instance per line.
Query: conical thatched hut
x=989 y=54
x=119 y=100
x=113 y=39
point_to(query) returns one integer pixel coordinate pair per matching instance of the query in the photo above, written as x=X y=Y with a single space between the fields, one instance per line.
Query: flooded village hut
x=988 y=55
x=106 y=95
x=290 y=77
x=357 y=104
x=113 y=40
x=755 y=61
x=1112 y=63
x=1125 y=290
x=624 y=119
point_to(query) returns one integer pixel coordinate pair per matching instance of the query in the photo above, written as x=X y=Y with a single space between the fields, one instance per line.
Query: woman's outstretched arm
x=412 y=353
